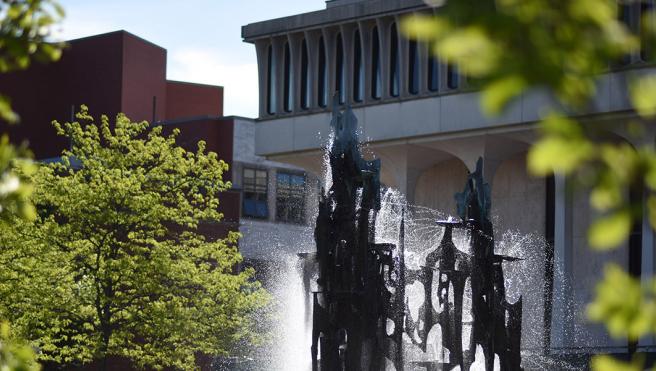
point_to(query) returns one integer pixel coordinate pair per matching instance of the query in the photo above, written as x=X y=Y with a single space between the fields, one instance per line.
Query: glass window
x=452 y=77
x=413 y=67
x=290 y=198
x=394 y=87
x=289 y=101
x=375 y=65
x=624 y=14
x=271 y=82
x=339 y=70
x=255 y=185
x=305 y=77
x=323 y=75
x=358 y=69
x=433 y=74
x=647 y=23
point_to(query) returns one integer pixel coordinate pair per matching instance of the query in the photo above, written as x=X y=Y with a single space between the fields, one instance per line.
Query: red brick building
x=118 y=72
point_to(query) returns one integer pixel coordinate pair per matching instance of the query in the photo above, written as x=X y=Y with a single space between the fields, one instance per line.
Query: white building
x=426 y=125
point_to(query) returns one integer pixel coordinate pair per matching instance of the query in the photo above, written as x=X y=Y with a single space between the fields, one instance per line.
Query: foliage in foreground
x=114 y=265
x=514 y=47
x=24 y=27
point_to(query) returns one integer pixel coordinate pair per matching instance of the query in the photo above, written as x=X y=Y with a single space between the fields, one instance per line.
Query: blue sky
x=202 y=37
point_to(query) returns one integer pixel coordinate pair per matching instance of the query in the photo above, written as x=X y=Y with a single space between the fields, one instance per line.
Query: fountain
x=360 y=313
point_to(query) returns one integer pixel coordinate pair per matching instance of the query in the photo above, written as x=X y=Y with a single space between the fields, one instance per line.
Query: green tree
x=24 y=27
x=508 y=47
x=114 y=265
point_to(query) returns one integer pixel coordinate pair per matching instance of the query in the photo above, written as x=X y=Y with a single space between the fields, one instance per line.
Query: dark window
x=289 y=99
x=305 y=77
x=290 y=198
x=394 y=63
x=375 y=65
x=625 y=17
x=323 y=74
x=413 y=67
x=271 y=82
x=452 y=77
x=358 y=69
x=647 y=24
x=255 y=193
x=433 y=74
x=339 y=70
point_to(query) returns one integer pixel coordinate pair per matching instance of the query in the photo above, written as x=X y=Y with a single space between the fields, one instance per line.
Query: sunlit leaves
x=609 y=231
x=25 y=26
x=562 y=150
x=627 y=308
x=608 y=363
x=643 y=95
x=498 y=93
x=559 y=45
x=117 y=247
x=14 y=354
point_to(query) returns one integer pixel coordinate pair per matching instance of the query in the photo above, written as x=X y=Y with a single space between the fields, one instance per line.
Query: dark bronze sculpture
x=489 y=329
x=354 y=299
x=361 y=284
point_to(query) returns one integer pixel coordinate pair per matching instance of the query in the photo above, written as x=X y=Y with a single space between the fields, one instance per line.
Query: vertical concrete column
x=295 y=41
x=404 y=60
x=365 y=28
x=271 y=194
x=348 y=41
x=384 y=25
x=312 y=39
x=561 y=325
x=261 y=50
x=278 y=45
x=329 y=39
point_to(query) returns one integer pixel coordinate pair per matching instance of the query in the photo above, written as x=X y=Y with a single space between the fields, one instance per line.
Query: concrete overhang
x=331 y=15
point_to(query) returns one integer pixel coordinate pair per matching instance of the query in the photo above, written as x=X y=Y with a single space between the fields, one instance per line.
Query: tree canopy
x=114 y=266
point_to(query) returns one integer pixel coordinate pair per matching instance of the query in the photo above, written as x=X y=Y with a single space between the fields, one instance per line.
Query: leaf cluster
x=25 y=26
x=559 y=48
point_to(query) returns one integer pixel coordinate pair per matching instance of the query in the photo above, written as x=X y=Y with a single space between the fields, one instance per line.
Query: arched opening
x=288 y=87
x=376 y=78
x=358 y=69
x=433 y=74
x=394 y=86
x=305 y=76
x=413 y=67
x=271 y=82
x=322 y=80
x=339 y=69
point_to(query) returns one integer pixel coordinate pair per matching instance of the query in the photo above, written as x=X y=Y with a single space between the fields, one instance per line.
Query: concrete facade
x=428 y=137
x=270 y=239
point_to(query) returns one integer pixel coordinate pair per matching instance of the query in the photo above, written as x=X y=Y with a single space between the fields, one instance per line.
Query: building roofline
x=185 y=120
x=331 y=15
x=122 y=32
x=196 y=84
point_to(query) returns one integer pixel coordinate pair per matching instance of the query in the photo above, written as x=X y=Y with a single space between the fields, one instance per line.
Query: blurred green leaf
x=497 y=94
x=622 y=304
x=558 y=155
x=608 y=363
x=611 y=230
x=643 y=95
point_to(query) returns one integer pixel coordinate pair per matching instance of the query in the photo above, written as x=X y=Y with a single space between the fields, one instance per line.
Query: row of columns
x=386 y=26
